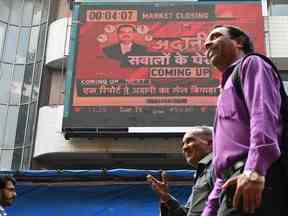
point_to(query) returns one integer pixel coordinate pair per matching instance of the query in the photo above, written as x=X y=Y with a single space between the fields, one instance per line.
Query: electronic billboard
x=143 y=64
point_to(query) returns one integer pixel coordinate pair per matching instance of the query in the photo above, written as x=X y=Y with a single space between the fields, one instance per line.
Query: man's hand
x=160 y=187
x=248 y=192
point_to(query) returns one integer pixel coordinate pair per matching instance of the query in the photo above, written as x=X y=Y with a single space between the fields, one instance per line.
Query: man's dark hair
x=126 y=26
x=240 y=36
x=4 y=179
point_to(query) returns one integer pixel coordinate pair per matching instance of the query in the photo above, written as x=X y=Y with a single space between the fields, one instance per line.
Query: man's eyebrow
x=188 y=139
x=215 y=34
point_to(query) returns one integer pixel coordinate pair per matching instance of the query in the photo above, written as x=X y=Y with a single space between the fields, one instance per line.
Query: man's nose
x=184 y=147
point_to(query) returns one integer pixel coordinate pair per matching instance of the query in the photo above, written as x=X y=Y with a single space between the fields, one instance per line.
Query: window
x=37 y=12
x=26 y=156
x=22 y=45
x=45 y=11
x=5 y=82
x=10 y=44
x=36 y=81
x=6 y=159
x=17 y=158
x=41 y=44
x=21 y=125
x=16 y=12
x=30 y=124
x=27 y=86
x=3 y=114
x=4 y=9
x=284 y=76
x=278 y=8
x=33 y=44
x=16 y=84
x=11 y=123
x=23 y=26
x=2 y=35
x=286 y=86
x=28 y=12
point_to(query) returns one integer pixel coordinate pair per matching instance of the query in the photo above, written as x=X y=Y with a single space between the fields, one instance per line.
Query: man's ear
x=210 y=142
x=239 y=41
x=209 y=146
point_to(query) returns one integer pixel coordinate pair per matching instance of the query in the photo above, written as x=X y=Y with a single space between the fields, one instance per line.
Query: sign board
x=144 y=64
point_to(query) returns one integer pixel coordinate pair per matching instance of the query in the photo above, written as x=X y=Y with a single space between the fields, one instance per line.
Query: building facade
x=34 y=45
x=23 y=30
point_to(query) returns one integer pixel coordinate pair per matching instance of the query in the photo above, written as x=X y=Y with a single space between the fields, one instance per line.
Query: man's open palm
x=160 y=187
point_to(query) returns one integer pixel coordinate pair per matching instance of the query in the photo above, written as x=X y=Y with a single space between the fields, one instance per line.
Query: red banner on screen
x=163 y=58
x=149 y=56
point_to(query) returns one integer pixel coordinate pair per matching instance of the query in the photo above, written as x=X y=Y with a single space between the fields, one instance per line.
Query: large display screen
x=143 y=65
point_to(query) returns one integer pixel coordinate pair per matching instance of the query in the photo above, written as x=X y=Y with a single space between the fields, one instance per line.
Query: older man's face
x=194 y=148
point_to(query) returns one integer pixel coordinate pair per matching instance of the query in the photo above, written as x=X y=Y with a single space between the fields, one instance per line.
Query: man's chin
x=190 y=162
x=8 y=203
x=214 y=61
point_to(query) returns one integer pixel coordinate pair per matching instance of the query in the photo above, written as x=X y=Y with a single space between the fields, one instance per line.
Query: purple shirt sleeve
x=263 y=100
x=213 y=199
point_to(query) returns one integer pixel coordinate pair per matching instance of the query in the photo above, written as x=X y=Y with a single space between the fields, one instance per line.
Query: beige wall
x=276 y=36
x=54 y=151
x=60 y=9
x=277 y=27
x=49 y=139
x=57 y=80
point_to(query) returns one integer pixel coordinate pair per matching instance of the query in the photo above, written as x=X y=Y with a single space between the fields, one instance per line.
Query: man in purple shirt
x=247 y=131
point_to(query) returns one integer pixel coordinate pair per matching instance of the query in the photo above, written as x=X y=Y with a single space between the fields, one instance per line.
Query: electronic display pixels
x=143 y=65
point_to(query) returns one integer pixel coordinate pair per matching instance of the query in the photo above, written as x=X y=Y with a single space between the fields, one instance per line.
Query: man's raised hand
x=160 y=187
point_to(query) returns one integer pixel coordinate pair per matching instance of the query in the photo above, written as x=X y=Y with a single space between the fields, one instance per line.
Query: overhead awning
x=69 y=197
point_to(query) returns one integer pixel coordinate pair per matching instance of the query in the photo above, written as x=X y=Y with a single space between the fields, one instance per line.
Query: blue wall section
x=111 y=200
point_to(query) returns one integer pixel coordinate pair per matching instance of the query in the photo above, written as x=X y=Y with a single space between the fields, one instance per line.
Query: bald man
x=196 y=147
